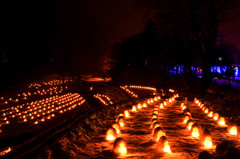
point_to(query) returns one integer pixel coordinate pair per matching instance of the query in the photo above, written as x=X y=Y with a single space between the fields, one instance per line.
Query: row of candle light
x=159 y=135
x=49 y=83
x=101 y=97
x=232 y=129
x=141 y=87
x=194 y=128
x=128 y=91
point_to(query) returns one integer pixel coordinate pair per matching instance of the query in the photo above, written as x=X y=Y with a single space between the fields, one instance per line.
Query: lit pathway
x=138 y=137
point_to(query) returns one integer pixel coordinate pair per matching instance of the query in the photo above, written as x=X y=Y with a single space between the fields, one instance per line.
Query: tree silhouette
x=196 y=24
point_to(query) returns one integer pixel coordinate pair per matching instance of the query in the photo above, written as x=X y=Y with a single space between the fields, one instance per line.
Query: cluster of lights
x=35 y=85
x=101 y=97
x=194 y=128
x=232 y=129
x=24 y=96
x=49 y=83
x=42 y=110
x=125 y=88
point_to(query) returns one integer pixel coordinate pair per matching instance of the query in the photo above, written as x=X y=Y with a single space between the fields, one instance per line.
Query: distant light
x=220 y=59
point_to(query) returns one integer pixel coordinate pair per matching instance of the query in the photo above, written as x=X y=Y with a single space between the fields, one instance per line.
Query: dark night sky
x=82 y=27
x=95 y=25
x=231 y=32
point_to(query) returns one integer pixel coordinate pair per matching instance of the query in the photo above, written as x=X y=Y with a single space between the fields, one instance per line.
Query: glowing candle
x=134 y=109
x=210 y=114
x=233 y=130
x=206 y=110
x=215 y=116
x=111 y=134
x=189 y=125
x=126 y=113
x=195 y=132
x=139 y=106
x=221 y=121
x=144 y=105
x=184 y=107
x=161 y=106
x=121 y=121
x=120 y=147
x=186 y=118
x=207 y=142
x=165 y=103
x=163 y=145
